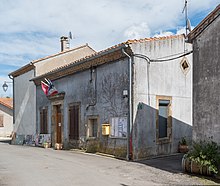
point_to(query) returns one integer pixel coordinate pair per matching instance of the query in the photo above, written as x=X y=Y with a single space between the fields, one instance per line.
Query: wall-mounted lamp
x=5 y=86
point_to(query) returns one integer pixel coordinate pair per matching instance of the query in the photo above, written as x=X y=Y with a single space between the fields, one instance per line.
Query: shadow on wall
x=144 y=134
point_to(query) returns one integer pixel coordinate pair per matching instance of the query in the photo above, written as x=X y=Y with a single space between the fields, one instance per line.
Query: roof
x=204 y=24
x=60 y=53
x=31 y=66
x=110 y=54
x=154 y=39
x=8 y=102
x=22 y=70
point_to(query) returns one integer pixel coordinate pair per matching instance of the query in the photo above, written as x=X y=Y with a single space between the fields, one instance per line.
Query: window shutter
x=1 y=121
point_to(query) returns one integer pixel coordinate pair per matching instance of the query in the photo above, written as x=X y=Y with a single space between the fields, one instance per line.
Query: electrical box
x=105 y=129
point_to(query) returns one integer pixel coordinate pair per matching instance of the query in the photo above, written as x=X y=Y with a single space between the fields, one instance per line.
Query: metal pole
x=130 y=104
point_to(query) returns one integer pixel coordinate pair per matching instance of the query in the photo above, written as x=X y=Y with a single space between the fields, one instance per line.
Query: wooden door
x=58 y=125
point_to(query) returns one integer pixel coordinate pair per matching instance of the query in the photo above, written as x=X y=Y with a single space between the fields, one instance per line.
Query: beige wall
x=47 y=65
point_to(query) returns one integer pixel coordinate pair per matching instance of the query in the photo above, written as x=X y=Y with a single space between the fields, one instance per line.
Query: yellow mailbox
x=105 y=129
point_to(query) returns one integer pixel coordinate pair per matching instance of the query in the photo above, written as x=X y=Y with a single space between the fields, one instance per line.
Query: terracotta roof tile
x=97 y=54
x=8 y=102
x=153 y=39
x=119 y=45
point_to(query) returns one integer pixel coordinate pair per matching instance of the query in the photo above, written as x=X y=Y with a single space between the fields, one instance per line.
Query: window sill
x=115 y=137
x=163 y=140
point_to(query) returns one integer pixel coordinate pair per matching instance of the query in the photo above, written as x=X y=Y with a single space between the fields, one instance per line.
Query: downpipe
x=130 y=113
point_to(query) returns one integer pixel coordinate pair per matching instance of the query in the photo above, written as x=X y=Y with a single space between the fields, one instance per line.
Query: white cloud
x=163 y=33
x=137 y=31
x=30 y=29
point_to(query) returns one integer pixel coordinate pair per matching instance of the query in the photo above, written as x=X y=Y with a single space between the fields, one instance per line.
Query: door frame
x=54 y=106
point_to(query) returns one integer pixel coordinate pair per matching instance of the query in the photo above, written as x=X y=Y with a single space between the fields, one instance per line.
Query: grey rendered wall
x=161 y=79
x=206 y=84
x=25 y=104
x=111 y=80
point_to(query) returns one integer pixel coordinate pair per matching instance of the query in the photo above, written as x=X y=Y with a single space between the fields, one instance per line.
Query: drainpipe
x=130 y=112
x=11 y=77
x=95 y=96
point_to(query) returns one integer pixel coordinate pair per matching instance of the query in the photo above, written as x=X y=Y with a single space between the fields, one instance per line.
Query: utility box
x=105 y=129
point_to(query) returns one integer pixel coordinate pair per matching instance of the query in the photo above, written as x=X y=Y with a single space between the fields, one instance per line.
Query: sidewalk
x=5 y=139
x=172 y=163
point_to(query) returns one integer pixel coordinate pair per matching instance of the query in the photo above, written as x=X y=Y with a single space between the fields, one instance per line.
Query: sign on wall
x=119 y=126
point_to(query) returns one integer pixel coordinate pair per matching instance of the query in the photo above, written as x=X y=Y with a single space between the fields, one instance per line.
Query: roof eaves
x=22 y=70
x=6 y=105
x=60 y=53
x=154 y=39
x=81 y=61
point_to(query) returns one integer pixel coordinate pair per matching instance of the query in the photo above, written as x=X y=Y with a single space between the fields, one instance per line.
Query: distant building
x=206 y=78
x=120 y=101
x=25 y=90
x=6 y=117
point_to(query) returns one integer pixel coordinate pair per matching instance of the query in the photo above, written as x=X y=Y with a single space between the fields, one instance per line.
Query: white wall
x=7 y=122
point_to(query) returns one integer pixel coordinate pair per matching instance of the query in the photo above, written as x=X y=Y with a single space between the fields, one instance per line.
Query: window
x=163 y=117
x=164 y=121
x=1 y=120
x=74 y=122
x=92 y=128
x=43 y=121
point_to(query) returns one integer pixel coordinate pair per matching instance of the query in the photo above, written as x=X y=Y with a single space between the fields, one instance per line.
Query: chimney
x=65 y=44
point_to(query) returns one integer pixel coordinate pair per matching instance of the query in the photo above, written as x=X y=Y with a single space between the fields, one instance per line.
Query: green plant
x=206 y=153
x=183 y=141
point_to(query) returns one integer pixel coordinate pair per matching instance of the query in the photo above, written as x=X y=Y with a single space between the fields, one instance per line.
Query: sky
x=32 y=29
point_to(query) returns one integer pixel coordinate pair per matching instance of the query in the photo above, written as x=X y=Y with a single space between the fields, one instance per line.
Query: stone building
x=131 y=100
x=24 y=91
x=6 y=117
x=206 y=59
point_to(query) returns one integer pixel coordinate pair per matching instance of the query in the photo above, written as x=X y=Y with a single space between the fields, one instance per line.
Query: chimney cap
x=63 y=38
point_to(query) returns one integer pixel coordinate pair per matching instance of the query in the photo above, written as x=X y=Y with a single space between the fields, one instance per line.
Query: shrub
x=183 y=141
x=206 y=154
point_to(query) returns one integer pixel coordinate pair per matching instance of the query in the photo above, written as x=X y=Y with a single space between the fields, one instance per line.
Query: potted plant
x=203 y=158
x=183 y=146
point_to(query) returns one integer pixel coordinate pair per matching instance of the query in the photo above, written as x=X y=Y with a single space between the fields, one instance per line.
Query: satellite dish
x=189 y=25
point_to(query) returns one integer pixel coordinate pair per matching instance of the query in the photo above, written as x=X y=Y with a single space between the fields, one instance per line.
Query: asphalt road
x=25 y=166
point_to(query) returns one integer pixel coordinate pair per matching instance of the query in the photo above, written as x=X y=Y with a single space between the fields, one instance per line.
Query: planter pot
x=47 y=145
x=58 y=146
x=193 y=167
x=183 y=148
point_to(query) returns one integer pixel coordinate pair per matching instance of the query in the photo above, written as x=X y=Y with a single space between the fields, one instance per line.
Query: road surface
x=25 y=166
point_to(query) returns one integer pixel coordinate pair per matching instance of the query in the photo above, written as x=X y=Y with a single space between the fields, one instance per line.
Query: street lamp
x=5 y=86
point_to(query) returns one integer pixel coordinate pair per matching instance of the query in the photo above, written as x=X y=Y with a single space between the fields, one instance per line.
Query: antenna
x=188 y=25
x=70 y=37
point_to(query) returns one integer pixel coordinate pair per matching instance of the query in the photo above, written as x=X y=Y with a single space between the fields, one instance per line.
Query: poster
x=119 y=127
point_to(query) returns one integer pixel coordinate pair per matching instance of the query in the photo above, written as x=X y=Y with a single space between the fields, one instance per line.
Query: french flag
x=48 y=88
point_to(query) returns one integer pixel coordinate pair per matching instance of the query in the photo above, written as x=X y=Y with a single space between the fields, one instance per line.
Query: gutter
x=130 y=112
x=11 y=77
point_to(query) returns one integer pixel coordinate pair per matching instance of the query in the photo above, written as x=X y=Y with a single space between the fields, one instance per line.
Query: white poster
x=119 y=126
